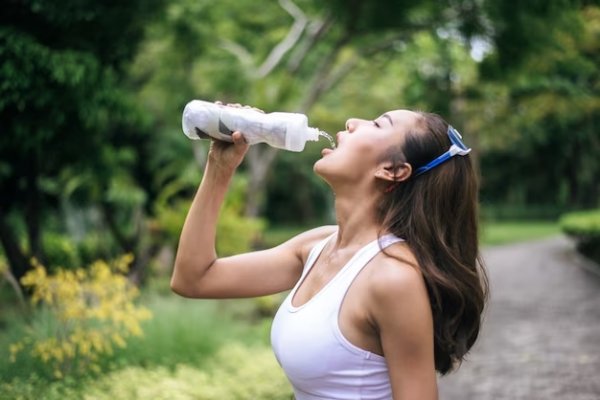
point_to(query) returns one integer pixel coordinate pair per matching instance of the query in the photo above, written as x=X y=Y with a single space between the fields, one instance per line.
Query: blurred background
x=96 y=175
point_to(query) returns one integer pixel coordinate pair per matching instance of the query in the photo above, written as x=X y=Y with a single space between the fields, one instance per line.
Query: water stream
x=329 y=137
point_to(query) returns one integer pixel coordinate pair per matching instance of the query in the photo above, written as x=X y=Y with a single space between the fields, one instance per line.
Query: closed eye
x=376 y=124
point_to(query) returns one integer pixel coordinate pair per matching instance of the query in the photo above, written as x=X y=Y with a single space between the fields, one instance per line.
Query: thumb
x=239 y=141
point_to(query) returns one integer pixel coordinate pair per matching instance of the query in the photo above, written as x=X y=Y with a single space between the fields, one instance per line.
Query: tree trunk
x=32 y=210
x=261 y=159
x=135 y=244
x=17 y=259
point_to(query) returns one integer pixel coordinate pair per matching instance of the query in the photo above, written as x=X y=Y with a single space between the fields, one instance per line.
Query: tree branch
x=321 y=74
x=239 y=52
x=288 y=42
x=316 y=30
x=344 y=69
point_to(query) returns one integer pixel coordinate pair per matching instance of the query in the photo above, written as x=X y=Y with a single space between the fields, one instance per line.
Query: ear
x=388 y=172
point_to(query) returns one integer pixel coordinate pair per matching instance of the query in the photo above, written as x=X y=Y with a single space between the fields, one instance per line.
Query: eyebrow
x=389 y=118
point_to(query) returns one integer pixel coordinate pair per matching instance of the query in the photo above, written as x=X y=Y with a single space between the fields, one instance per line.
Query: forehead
x=404 y=119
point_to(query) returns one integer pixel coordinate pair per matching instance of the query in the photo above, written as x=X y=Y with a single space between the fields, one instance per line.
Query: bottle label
x=254 y=130
x=224 y=129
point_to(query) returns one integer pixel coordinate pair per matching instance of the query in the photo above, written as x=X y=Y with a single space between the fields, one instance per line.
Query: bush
x=60 y=251
x=235 y=373
x=235 y=232
x=584 y=226
x=87 y=312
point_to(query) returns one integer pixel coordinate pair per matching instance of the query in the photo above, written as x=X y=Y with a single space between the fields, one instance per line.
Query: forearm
x=196 y=250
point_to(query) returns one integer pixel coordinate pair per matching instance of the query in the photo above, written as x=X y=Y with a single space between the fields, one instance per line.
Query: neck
x=355 y=215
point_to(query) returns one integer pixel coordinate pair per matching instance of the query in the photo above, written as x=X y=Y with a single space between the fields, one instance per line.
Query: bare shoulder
x=305 y=241
x=396 y=282
x=398 y=302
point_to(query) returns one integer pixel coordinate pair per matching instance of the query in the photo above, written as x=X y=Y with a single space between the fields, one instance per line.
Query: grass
x=181 y=331
x=492 y=232
x=505 y=232
x=190 y=331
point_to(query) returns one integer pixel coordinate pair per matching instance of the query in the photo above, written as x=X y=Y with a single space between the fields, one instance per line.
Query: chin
x=318 y=167
x=323 y=170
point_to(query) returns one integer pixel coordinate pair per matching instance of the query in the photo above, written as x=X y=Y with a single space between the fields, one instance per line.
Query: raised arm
x=199 y=273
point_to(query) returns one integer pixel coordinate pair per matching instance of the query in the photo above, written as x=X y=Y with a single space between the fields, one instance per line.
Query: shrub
x=235 y=232
x=235 y=373
x=584 y=226
x=60 y=251
x=88 y=312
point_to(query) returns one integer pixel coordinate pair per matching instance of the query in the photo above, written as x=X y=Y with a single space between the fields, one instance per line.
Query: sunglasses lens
x=456 y=138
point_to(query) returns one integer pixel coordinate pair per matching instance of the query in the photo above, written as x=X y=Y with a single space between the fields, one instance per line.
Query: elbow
x=179 y=289
x=187 y=280
x=181 y=285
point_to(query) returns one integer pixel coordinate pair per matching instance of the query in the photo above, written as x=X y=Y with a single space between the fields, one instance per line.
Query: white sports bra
x=308 y=344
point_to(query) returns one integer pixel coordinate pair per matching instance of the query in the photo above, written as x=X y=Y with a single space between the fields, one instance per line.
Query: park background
x=96 y=175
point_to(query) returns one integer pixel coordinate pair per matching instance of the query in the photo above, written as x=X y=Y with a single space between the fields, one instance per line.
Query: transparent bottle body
x=288 y=131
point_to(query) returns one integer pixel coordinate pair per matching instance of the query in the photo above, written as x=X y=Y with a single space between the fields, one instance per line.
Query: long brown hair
x=437 y=214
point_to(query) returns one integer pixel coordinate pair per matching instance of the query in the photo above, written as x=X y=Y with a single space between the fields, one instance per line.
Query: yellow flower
x=93 y=309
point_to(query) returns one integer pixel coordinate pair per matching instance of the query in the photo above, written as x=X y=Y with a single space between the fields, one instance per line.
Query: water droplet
x=329 y=137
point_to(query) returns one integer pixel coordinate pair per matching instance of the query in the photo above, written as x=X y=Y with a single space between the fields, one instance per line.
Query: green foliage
x=64 y=108
x=540 y=121
x=521 y=29
x=60 y=251
x=88 y=313
x=275 y=235
x=507 y=231
x=584 y=226
x=235 y=232
x=235 y=373
x=189 y=331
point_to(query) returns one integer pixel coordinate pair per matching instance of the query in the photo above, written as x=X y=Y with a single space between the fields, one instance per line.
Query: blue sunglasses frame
x=456 y=148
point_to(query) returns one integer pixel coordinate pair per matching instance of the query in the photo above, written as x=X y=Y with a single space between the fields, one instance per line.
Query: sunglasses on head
x=456 y=148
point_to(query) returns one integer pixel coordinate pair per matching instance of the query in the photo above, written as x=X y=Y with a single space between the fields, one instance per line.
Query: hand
x=228 y=156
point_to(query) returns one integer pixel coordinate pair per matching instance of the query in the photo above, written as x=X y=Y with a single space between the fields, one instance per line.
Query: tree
x=543 y=104
x=61 y=104
x=285 y=56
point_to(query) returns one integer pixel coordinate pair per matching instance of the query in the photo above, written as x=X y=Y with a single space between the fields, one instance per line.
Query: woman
x=381 y=301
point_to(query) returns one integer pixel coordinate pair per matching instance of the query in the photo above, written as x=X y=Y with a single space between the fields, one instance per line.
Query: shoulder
x=302 y=243
x=397 y=286
x=392 y=277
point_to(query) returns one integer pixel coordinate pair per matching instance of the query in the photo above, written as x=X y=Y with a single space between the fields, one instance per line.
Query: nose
x=351 y=124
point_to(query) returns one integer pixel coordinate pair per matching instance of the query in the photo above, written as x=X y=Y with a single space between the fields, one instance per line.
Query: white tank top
x=308 y=344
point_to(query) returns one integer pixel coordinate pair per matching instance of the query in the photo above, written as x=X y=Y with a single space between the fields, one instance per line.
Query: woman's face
x=364 y=145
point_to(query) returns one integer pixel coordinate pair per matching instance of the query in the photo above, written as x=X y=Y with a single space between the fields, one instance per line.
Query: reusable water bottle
x=205 y=120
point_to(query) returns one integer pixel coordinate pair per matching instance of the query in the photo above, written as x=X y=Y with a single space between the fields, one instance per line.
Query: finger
x=238 y=138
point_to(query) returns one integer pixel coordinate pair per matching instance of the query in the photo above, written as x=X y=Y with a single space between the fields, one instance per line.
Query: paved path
x=541 y=336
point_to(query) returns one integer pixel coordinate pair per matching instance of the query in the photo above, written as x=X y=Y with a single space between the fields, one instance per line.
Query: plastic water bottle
x=205 y=120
